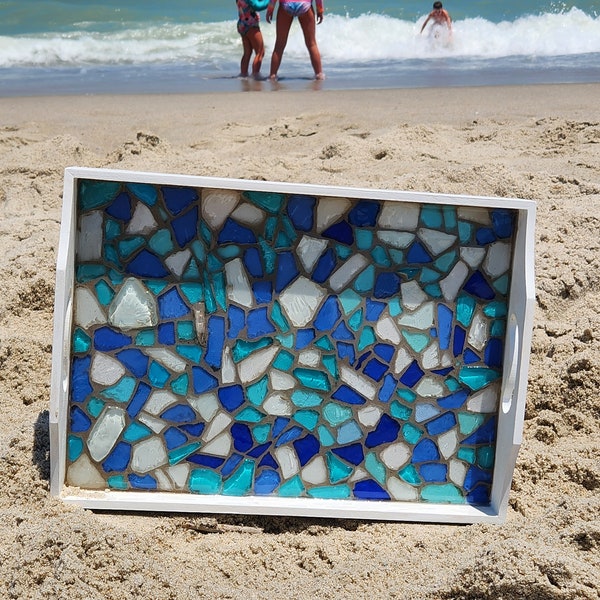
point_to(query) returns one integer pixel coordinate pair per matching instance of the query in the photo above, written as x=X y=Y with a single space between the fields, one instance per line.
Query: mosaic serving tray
x=269 y=348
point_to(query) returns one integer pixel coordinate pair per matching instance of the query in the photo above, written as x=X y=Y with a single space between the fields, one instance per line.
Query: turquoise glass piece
x=495 y=309
x=364 y=238
x=209 y=298
x=365 y=281
x=397 y=256
x=229 y=251
x=270 y=228
x=278 y=318
x=115 y=277
x=343 y=252
x=417 y=341
x=89 y=272
x=145 y=192
x=192 y=291
x=240 y=483
x=411 y=433
x=450 y=219
x=331 y=364
x=289 y=229
x=399 y=411
x=283 y=361
x=135 y=432
x=287 y=341
x=158 y=375
x=431 y=216
x=156 y=286
x=180 y=385
x=122 y=391
x=112 y=230
x=81 y=341
x=380 y=257
x=445 y=262
x=446 y=492
x=410 y=475
x=261 y=432
x=394 y=307
x=146 y=337
x=330 y=492
x=433 y=290
x=469 y=422
x=199 y=251
x=467 y=454
x=220 y=291
x=304 y=399
x=292 y=488
x=307 y=418
x=204 y=481
x=129 y=246
x=104 y=293
x=498 y=328
x=94 y=194
x=485 y=457
x=465 y=308
x=177 y=455
x=367 y=338
x=477 y=378
x=250 y=415
x=335 y=414
x=348 y=433
x=257 y=392
x=242 y=348
x=313 y=379
x=324 y=343
x=185 y=331
x=95 y=406
x=269 y=256
x=338 y=470
x=501 y=284
x=213 y=264
x=161 y=242
x=325 y=436
x=117 y=482
x=74 y=447
x=272 y=202
x=349 y=300
x=429 y=275
x=452 y=384
x=375 y=467
x=191 y=352
x=356 y=320
x=465 y=231
x=406 y=394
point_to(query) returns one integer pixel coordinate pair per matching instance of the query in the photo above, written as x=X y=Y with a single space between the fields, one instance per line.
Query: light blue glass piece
x=177 y=455
x=367 y=338
x=229 y=251
x=375 y=467
x=469 y=422
x=349 y=300
x=240 y=483
x=243 y=348
x=397 y=256
x=257 y=392
x=192 y=291
x=89 y=272
x=75 y=447
x=365 y=281
x=161 y=242
x=501 y=284
x=417 y=341
x=355 y=321
x=324 y=343
x=287 y=341
x=250 y=415
x=145 y=337
x=338 y=470
x=465 y=308
x=495 y=309
x=465 y=231
x=477 y=377
x=204 y=481
x=343 y=252
x=445 y=262
x=199 y=250
x=335 y=414
x=261 y=432
x=268 y=254
x=112 y=230
x=122 y=391
x=313 y=379
x=117 y=482
x=135 y=432
x=158 y=375
x=81 y=341
x=325 y=436
x=442 y=493
x=349 y=432
x=406 y=394
x=423 y=412
x=307 y=418
x=104 y=293
x=399 y=411
x=292 y=488
x=304 y=399
x=180 y=385
x=498 y=328
x=94 y=407
x=431 y=216
x=331 y=364
x=330 y=492
x=364 y=238
x=278 y=318
x=380 y=257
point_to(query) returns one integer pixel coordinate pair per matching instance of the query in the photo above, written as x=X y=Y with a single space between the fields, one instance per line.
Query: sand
x=539 y=142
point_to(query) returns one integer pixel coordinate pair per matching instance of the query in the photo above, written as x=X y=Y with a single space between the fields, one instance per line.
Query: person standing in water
x=249 y=29
x=303 y=9
x=439 y=16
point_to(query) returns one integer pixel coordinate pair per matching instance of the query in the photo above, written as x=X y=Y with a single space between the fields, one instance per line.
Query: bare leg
x=245 y=62
x=284 y=22
x=255 y=39
x=309 y=29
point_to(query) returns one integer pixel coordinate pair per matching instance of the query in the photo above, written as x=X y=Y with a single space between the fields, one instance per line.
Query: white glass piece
x=220 y=446
x=472 y=256
x=395 y=455
x=484 y=401
x=430 y=359
x=288 y=461
x=497 y=260
x=386 y=330
x=453 y=282
x=106 y=370
x=156 y=425
x=447 y=359
x=474 y=213
x=106 y=432
x=403 y=359
x=315 y=471
x=238 y=286
x=400 y=490
x=88 y=311
x=167 y=359
x=217 y=425
x=357 y=382
x=134 y=307
x=179 y=474
x=278 y=405
x=422 y=318
x=457 y=471
x=478 y=331
x=248 y=214
x=412 y=295
x=430 y=387
x=148 y=454
x=163 y=482
x=89 y=238
x=178 y=261
x=158 y=401
x=300 y=301
x=228 y=374
x=352 y=267
x=281 y=380
x=359 y=473
x=396 y=239
x=309 y=358
x=206 y=405
x=142 y=221
x=256 y=364
x=217 y=205
x=399 y=216
x=309 y=250
x=447 y=443
x=369 y=416
x=329 y=210
x=436 y=241
x=83 y=473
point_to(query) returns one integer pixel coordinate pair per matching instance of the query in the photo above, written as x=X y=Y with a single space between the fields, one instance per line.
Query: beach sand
x=538 y=142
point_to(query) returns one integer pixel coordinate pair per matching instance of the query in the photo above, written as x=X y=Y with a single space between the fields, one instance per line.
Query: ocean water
x=83 y=46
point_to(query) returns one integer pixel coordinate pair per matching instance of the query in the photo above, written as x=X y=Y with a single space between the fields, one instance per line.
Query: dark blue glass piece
x=459 y=340
x=469 y=357
x=263 y=291
x=120 y=208
x=387 y=430
x=231 y=397
x=433 y=472
x=328 y=314
x=475 y=475
x=142 y=482
x=325 y=266
x=304 y=337
x=300 y=209
x=353 y=453
x=361 y=359
x=412 y=375
x=441 y=424
x=493 y=353
x=342 y=333
x=375 y=369
x=177 y=199
x=340 y=232
x=484 y=236
x=348 y=395
x=266 y=482
x=230 y=464
x=502 y=222
x=79 y=420
x=136 y=403
x=374 y=309
x=192 y=429
x=203 y=381
x=346 y=350
x=234 y=233
x=214 y=341
x=185 y=227
x=444 y=326
x=364 y=214
x=387 y=389
x=171 y=305
x=134 y=360
x=147 y=264
x=180 y=413
x=253 y=262
x=479 y=495
x=455 y=400
x=386 y=285
x=166 y=333
x=268 y=461
x=174 y=438
x=107 y=339
x=478 y=286
x=237 y=321
x=370 y=490
x=443 y=372
x=425 y=451
x=259 y=450
x=242 y=437
x=486 y=434
x=287 y=271
x=306 y=448
x=279 y=425
x=258 y=323
x=384 y=351
x=417 y=254
x=293 y=433
x=118 y=459
x=81 y=387
x=205 y=460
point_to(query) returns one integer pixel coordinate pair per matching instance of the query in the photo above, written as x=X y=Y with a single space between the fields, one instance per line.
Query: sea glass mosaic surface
x=258 y=343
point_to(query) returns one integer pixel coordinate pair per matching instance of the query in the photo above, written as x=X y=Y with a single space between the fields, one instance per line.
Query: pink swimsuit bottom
x=296 y=8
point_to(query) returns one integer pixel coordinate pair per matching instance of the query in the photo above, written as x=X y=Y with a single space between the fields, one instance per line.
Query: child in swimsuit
x=249 y=29
x=303 y=9
x=439 y=16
